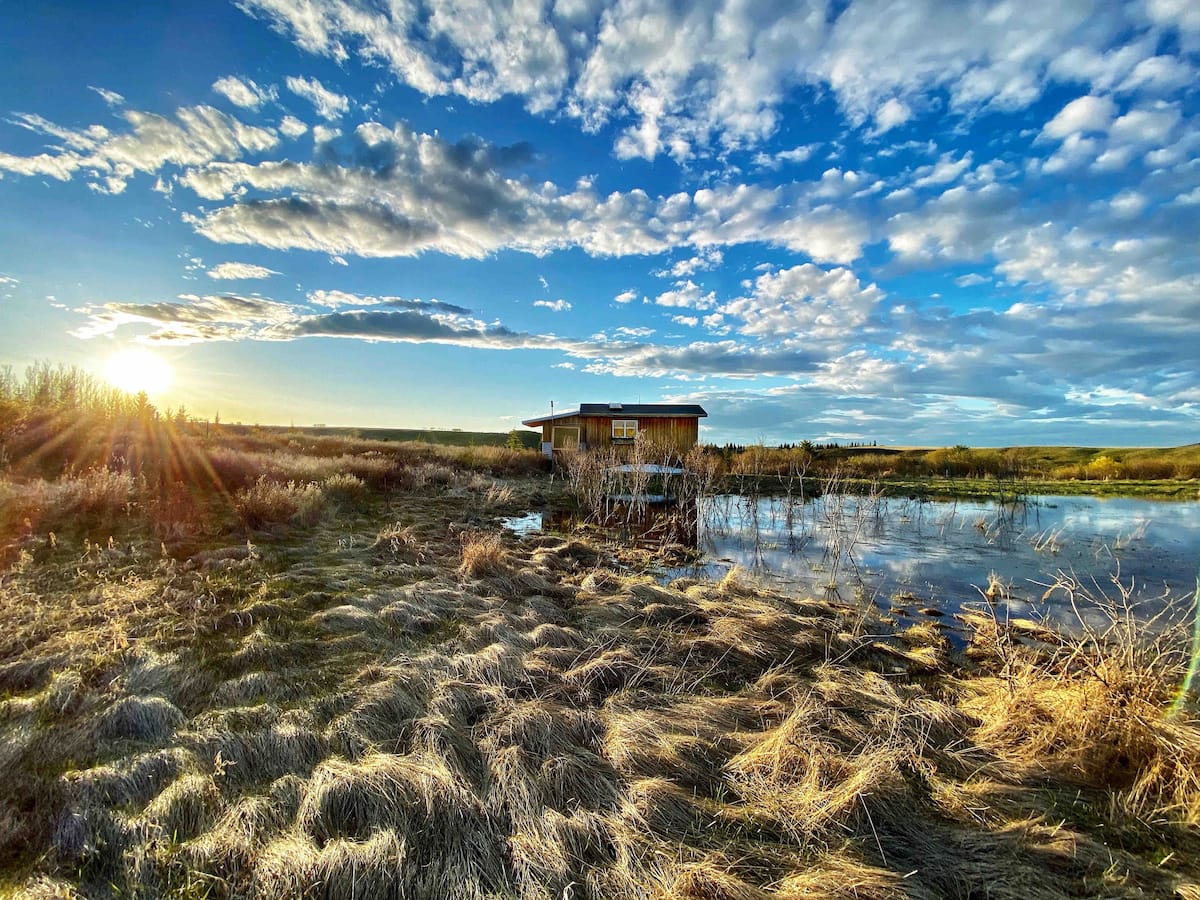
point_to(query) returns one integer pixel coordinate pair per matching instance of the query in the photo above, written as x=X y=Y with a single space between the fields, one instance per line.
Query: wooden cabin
x=596 y=425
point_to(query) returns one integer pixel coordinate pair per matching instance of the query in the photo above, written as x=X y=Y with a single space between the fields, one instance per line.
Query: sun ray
x=135 y=370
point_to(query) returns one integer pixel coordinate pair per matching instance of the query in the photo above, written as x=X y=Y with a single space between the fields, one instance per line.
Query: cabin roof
x=627 y=411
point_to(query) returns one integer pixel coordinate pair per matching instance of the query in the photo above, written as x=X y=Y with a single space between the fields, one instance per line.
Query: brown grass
x=388 y=698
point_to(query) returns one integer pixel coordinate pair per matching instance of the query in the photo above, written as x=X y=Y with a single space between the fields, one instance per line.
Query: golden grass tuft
x=710 y=879
x=1096 y=728
x=483 y=554
x=186 y=808
x=802 y=779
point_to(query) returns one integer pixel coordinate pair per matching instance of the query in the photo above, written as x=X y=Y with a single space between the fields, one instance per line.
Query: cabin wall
x=681 y=433
x=569 y=422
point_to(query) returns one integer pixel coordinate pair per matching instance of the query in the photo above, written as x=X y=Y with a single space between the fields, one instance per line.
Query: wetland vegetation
x=249 y=663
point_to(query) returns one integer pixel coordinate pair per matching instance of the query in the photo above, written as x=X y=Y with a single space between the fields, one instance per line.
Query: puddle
x=530 y=523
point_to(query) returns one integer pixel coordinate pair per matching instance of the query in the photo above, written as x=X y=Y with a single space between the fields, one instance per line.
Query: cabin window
x=565 y=437
x=624 y=429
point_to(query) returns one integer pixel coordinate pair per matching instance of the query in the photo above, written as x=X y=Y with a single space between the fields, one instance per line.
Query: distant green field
x=452 y=437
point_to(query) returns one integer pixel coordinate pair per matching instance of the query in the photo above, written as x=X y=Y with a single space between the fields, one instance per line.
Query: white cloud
x=805 y=302
x=794 y=156
x=626 y=296
x=243 y=92
x=553 y=305
x=971 y=280
x=237 y=270
x=292 y=127
x=323 y=134
x=892 y=114
x=687 y=294
x=683 y=79
x=690 y=321
x=1082 y=115
x=197 y=135
x=1159 y=74
x=329 y=104
x=112 y=98
x=945 y=170
x=393 y=192
x=335 y=299
x=708 y=258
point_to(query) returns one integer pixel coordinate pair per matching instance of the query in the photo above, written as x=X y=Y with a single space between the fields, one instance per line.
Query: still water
x=943 y=554
x=946 y=554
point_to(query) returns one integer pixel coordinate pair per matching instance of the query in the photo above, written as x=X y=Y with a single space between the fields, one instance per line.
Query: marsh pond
x=941 y=555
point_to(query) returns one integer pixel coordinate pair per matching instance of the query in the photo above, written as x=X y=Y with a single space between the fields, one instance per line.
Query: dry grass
x=269 y=502
x=482 y=554
x=386 y=698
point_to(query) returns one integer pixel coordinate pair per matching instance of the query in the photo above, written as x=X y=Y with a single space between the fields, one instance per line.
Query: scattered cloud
x=335 y=299
x=681 y=79
x=1081 y=115
x=243 y=92
x=708 y=258
x=626 y=296
x=808 y=302
x=780 y=158
x=553 y=305
x=891 y=114
x=292 y=127
x=687 y=294
x=197 y=135
x=395 y=192
x=329 y=104
x=112 y=98
x=235 y=270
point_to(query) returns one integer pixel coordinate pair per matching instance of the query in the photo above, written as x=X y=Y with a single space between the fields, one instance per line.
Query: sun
x=137 y=370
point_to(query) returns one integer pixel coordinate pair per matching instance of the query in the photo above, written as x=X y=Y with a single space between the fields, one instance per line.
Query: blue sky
x=911 y=222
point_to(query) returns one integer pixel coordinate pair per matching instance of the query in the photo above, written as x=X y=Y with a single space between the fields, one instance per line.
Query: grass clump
x=270 y=502
x=482 y=554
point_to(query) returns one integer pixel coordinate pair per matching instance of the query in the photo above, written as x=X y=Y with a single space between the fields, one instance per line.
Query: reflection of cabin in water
x=596 y=425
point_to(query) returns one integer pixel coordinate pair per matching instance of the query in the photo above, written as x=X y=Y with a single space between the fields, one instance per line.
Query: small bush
x=344 y=486
x=269 y=502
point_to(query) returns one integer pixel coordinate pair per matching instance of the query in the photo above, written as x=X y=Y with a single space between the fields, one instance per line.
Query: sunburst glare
x=135 y=370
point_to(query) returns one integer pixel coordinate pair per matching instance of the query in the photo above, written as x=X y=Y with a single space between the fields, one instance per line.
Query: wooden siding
x=678 y=432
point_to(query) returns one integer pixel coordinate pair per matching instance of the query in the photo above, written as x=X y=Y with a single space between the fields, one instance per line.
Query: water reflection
x=640 y=524
x=915 y=554
x=947 y=553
